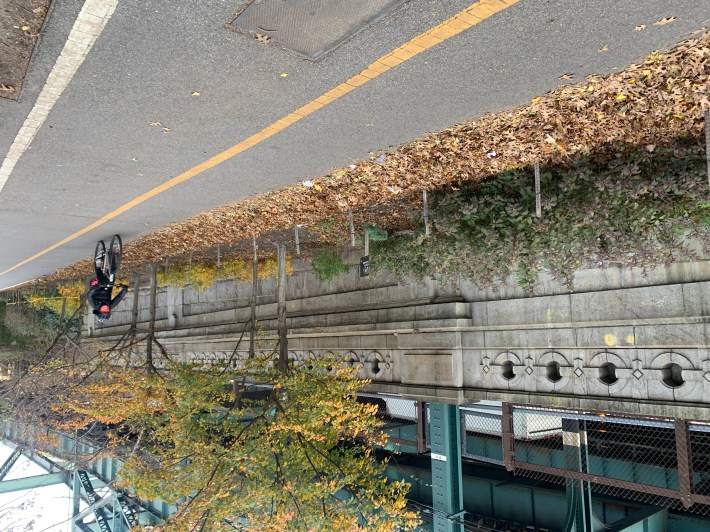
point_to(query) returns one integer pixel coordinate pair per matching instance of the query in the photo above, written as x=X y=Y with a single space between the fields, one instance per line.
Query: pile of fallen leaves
x=648 y=104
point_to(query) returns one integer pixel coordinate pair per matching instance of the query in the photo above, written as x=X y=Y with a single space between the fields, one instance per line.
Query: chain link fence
x=482 y=432
x=699 y=463
x=403 y=420
x=700 y=453
x=663 y=462
x=656 y=461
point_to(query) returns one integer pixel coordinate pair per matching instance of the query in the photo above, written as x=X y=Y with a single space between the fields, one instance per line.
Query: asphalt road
x=97 y=149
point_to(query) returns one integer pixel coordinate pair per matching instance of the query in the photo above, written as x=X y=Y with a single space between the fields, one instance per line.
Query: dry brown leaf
x=640 y=27
x=604 y=48
x=262 y=38
x=664 y=21
x=570 y=122
x=566 y=77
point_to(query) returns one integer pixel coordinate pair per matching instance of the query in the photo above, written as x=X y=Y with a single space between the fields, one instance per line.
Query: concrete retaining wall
x=626 y=341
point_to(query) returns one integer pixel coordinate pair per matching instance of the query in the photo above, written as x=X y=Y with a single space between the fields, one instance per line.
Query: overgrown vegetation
x=7 y=336
x=646 y=207
x=296 y=456
x=328 y=263
x=24 y=326
x=656 y=101
x=54 y=299
x=202 y=276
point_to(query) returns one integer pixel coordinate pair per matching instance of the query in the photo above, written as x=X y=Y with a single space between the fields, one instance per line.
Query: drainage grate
x=310 y=28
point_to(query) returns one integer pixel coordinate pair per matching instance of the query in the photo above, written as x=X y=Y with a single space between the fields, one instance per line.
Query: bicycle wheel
x=115 y=255
x=100 y=255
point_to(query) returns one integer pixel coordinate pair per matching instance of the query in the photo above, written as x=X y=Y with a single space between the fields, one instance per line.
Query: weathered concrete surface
x=639 y=347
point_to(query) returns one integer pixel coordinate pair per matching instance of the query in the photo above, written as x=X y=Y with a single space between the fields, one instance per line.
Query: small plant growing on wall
x=328 y=264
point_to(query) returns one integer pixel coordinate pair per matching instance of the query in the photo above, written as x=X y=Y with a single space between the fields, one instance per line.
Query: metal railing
x=654 y=460
x=659 y=461
x=404 y=420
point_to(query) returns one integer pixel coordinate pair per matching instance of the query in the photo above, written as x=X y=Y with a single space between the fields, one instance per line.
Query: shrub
x=328 y=263
x=636 y=210
x=26 y=326
x=202 y=276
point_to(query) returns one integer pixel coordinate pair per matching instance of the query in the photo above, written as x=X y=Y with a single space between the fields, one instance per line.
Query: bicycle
x=109 y=262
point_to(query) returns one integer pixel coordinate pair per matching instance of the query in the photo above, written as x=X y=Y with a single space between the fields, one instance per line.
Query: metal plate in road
x=310 y=28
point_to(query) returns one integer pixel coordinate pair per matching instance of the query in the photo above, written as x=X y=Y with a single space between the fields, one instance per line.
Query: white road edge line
x=89 y=24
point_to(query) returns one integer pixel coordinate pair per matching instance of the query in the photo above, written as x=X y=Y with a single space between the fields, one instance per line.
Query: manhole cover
x=310 y=28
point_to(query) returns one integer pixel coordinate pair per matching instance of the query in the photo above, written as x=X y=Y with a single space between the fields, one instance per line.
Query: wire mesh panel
x=643 y=452
x=481 y=432
x=699 y=434
x=538 y=437
x=699 y=443
x=400 y=418
x=656 y=461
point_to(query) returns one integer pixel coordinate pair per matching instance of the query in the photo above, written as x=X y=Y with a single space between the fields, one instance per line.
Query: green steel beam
x=79 y=517
x=580 y=513
x=28 y=483
x=83 y=528
x=76 y=500
x=5 y=468
x=447 y=493
x=129 y=515
x=38 y=458
x=650 y=519
x=579 y=497
x=104 y=469
x=99 y=511
x=118 y=522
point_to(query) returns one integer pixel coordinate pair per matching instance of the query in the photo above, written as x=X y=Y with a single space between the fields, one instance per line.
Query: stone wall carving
x=656 y=374
x=371 y=364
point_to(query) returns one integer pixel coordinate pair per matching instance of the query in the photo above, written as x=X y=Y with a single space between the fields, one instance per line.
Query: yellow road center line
x=462 y=21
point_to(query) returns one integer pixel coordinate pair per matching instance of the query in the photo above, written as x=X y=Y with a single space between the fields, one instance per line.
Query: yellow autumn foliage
x=71 y=291
x=276 y=463
x=203 y=276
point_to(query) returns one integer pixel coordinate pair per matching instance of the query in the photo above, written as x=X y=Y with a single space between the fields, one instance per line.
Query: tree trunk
x=254 y=286
x=134 y=310
x=283 y=342
x=151 y=327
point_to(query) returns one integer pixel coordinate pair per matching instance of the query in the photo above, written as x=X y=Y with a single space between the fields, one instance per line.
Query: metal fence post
x=508 y=436
x=298 y=240
x=538 y=198
x=281 y=310
x=685 y=462
x=425 y=209
x=351 y=224
x=579 y=496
